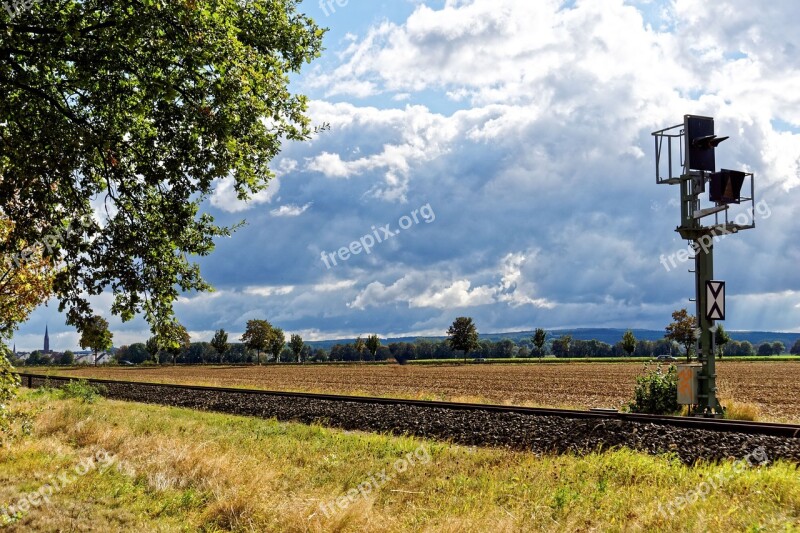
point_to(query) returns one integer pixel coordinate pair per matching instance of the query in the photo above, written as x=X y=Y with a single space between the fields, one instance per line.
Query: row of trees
x=259 y=339
x=263 y=342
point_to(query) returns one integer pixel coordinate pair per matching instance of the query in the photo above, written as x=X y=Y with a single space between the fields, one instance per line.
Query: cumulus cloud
x=290 y=210
x=526 y=126
x=226 y=197
x=429 y=290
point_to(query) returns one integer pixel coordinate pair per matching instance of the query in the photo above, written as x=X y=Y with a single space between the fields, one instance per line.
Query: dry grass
x=771 y=387
x=735 y=410
x=186 y=470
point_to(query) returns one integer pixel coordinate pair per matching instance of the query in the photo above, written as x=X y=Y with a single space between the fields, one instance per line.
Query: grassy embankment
x=176 y=469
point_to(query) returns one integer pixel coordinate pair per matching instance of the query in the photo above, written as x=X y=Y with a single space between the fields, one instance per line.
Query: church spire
x=46 y=341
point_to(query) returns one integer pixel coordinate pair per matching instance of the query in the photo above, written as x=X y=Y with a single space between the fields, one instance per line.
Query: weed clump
x=82 y=390
x=656 y=392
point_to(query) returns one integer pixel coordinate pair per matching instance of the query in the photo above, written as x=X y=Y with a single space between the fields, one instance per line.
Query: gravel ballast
x=539 y=434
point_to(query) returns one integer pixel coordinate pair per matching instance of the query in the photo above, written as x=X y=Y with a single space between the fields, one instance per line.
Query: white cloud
x=270 y=290
x=440 y=291
x=527 y=126
x=290 y=210
x=334 y=285
x=226 y=198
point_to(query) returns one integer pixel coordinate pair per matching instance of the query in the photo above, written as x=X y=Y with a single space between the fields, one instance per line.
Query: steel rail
x=712 y=424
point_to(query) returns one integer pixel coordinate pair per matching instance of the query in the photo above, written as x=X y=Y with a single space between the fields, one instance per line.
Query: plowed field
x=772 y=386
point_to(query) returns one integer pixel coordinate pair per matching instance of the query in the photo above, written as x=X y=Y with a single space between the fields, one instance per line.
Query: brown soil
x=774 y=387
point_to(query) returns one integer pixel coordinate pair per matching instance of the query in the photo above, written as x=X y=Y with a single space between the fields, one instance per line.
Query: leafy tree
x=220 y=343
x=425 y=348
x=721 y=338
x=778 y=348
x=373 y=344
x=121 y=354
x=561 y=346
x=66 y=358
x=96 y=336
x=681 y=330
x=538 y=340
x=25 y=282
x=736 y=348
x=137 y=353
x=173 y=339
x=146 y=106
x=402 y=351
x=504 y=349
x=276 y=342
x=200 y=352
x=463 y=336
x=153 y=348
x=38 y=358
x=296 y=344
x=320 y=355
x=765 y=348
x=796 y=348
x=628 y=342
x=239 y=353
x=360 y=346
x=257 y=335
x=747 y=348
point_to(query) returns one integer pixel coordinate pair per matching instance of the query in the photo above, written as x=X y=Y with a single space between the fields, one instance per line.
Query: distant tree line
x=264 y=342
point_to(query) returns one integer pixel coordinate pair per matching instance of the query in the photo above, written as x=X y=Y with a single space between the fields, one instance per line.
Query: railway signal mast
x=686 y=152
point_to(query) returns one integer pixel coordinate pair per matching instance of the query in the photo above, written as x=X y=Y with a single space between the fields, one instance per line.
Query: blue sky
x=522 y=130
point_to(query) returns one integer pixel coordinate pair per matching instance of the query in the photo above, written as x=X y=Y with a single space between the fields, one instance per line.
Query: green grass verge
x=183 y=470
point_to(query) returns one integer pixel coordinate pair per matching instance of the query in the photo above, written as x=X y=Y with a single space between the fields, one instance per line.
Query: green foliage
x=721 y=338
x=143 y=106
x=66 y=358
x=9 y=383
x=681 y=330
x=82 y=390
x=463 y=336
x=656 y=392
x=153 y=348
x=275 y=343
x=95 y=335
x=37 y=358
x=220 y=343
x=296 y=344
x=796 y=348
x=256 y=336
x=628 y=342
x=136 y=353
x=538 y=340
x=373 y=344
x=360 y=346
x=172 y=337
x=562 y=345
x=24 y=282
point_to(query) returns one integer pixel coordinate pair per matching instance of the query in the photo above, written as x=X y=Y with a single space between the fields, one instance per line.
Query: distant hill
x=607 y=335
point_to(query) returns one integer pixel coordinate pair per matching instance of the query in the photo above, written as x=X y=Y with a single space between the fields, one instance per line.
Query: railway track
x=710 y=424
